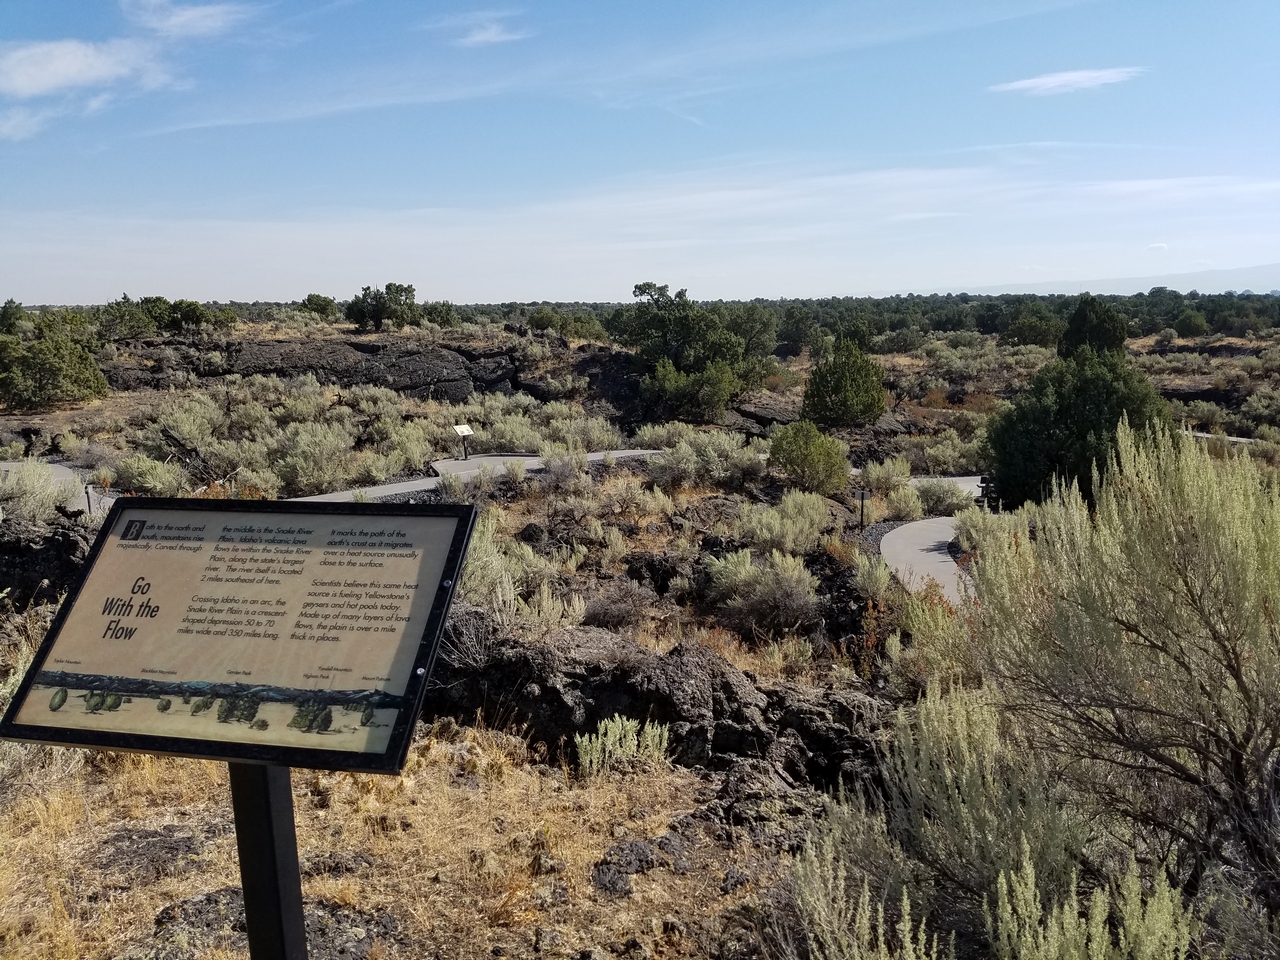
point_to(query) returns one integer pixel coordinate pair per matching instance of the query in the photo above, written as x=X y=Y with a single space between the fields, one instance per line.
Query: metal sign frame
x=390 y=761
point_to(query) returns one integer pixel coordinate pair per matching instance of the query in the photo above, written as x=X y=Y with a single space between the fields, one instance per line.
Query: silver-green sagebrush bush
x=888 y=475
x=621 y=744
x=978 y=845
x=793 y=526
x=29 y=491
x=710 y=459
x=1140 y=642
x=942 y=498
x=904 y=504
x=870 y=576
x=1094 y=778
x=766 y=599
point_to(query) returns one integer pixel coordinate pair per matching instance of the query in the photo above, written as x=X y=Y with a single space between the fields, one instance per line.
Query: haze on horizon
x=252 y=150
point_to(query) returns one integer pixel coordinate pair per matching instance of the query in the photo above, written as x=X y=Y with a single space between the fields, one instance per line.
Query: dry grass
x=458 y=845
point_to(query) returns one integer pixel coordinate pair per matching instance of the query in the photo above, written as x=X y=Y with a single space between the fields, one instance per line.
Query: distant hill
x=1260 y=279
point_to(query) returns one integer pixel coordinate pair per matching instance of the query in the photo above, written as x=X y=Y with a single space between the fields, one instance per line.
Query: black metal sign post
x=262 y=802
x=863 y=496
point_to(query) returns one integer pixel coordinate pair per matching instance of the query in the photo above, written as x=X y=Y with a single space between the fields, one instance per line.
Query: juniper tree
x=1096 y=325
x=1065 y=423
x=845 y=390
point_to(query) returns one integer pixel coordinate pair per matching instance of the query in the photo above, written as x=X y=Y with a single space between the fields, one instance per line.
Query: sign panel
x=300 y=634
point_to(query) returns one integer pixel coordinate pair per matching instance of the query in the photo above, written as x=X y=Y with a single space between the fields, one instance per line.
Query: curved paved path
x=919 y=552
x=465 y=469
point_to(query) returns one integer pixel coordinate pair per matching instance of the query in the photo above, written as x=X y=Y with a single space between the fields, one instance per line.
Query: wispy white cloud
x=37 y=69
x=20 y=123
x=495 y=31
x=179 y=21
x=480 y=28
x=1068 y=81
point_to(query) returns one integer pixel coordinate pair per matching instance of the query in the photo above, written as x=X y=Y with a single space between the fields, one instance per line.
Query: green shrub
x=702 y=396
x=1137 y=635
x=841 y=924
x=1095 y=325
x=499 y=570
x=888 y=475
x=904 y=504
x=942 y=498
x=29 y=491
x=948 y=455
x=661 y=436
x=710 y=459
x=314 y=458
x=1034 y=331
x=139 y=473
x=976 y=524
x=967 y=805
x=393 y=306
x=319 y=304
x=621 y=744
x=1191 y=323
x=870 y=577
x=1151 y=926
x=1065 y=423
x=940 y=651
x=763 y=599
x=55 y=368
x=1263 y=406
x=793 y=526
x=699 y=355
x=575 y=326
x=845 y=390
x=811 y=460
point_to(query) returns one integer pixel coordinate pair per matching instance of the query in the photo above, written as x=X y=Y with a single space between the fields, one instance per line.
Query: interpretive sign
x=297 y=634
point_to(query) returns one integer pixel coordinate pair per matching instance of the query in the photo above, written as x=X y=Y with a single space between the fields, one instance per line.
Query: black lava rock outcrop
x=38 y=561
x=407 y=364
x=568 y=682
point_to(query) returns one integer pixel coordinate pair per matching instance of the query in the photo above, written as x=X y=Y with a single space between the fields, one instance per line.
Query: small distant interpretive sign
x=295 y=634
x=463 y=430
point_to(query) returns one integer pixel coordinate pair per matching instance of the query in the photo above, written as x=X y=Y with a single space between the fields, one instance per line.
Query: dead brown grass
x=460 y=845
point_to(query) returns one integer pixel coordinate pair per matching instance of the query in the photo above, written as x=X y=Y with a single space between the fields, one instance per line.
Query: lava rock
x=39 y=561
x=733 y=879
x=566 y=683
x=215 y=921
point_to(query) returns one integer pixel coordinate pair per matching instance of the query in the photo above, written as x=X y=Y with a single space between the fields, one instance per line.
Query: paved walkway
x=465 y=469
x=919 y=552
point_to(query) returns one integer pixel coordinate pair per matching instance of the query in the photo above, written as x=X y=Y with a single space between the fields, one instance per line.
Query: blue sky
x=567 y=150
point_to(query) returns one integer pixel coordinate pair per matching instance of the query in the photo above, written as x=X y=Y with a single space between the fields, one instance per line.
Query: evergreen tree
x=11 y=314
x=1096 y=325
x=55 y=366
x=1066 y=422
x=370 y=310
x=845 y=390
